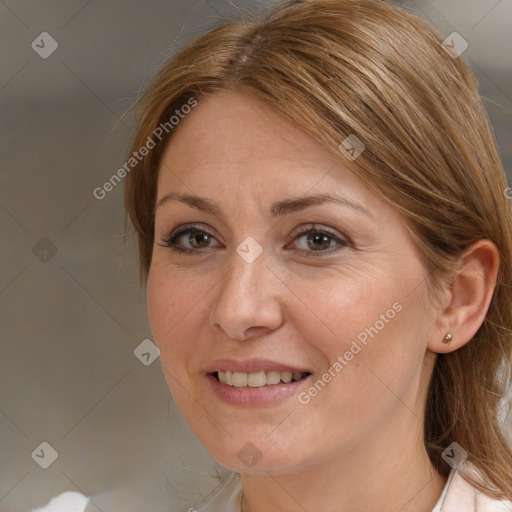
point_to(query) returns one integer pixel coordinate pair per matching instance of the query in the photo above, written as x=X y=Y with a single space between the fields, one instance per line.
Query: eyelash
x=172 y=241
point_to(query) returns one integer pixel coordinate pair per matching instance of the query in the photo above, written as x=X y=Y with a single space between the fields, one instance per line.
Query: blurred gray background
x=72 y=312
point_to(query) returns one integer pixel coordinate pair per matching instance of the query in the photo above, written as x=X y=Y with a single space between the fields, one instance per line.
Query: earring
x=447 y=338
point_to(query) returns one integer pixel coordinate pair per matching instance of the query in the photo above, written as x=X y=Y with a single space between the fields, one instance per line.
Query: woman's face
x=260 y=296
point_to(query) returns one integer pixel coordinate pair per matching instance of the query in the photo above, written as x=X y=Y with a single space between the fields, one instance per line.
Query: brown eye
x=188 y=239
x=199 y=239
x=319 y=241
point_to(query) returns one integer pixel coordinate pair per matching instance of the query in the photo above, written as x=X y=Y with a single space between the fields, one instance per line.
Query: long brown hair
x=363 y=67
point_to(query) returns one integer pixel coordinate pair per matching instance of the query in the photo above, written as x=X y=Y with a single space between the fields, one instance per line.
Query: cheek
x=171 y=298
x=339 y=311
x=171 y=311
x=160 y=302
x=364 y=327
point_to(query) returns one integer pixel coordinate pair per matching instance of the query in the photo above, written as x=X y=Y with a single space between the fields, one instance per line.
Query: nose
x=247 y=304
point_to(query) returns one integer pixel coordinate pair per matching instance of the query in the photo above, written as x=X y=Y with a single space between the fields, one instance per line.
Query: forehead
x=233 y=140
x=241 y=162
x=233 y=128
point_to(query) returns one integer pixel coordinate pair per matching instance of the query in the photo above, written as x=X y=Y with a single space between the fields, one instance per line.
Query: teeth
x=258 y=379
x=273 y=377
x=239 y=379
x=286 y=377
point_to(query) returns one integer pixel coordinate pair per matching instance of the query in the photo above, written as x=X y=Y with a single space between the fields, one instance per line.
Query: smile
x=258 y=379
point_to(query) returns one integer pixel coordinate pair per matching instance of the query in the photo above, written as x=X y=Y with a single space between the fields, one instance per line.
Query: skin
x=358 y=444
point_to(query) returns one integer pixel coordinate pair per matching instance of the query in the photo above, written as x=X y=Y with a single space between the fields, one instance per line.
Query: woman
x=323 y=227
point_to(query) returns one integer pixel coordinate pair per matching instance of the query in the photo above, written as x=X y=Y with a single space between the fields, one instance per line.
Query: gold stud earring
x=447 y=338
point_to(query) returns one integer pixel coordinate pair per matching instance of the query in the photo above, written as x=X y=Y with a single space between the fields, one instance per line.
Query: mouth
x=259 y=379
x=255 y=382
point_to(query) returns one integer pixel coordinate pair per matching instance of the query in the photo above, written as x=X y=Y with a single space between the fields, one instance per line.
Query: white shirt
x=68 y=501
x=457 y=496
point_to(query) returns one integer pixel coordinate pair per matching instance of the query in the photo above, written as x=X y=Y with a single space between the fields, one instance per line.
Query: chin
x=263 y=466
x=255 y=454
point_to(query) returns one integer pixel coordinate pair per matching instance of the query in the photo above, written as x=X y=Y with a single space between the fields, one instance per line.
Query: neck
x=400 y=477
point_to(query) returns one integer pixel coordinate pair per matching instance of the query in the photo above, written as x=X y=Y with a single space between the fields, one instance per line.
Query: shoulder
x=462 y=496
x=226 y=497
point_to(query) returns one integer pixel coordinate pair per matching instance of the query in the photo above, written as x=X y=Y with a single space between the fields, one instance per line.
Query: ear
x=468 y=295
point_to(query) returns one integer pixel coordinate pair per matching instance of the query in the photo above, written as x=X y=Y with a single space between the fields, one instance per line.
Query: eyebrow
x=277 y=209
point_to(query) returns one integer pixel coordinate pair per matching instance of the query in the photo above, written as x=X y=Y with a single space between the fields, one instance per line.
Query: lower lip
x=252 y=397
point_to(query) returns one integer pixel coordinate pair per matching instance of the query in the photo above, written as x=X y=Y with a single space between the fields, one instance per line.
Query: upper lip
x=252 y=366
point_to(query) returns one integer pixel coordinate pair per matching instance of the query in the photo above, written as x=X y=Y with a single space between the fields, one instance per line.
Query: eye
x=191 y=239
x=319 y=240
x=188 y=239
